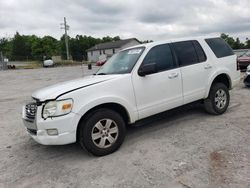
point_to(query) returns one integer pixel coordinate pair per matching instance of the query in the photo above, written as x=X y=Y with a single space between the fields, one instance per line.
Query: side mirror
x=147 y=69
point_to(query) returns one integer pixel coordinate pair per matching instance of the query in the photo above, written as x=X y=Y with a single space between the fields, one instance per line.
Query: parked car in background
x=101 y=62
x=48 y=63
x=134 y=84
x=103 y=59
x=244 y=60
x=247 y=77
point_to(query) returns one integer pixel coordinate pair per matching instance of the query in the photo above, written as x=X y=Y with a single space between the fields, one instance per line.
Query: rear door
x=194 y=67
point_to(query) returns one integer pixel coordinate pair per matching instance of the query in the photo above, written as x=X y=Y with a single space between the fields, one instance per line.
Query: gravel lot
x=184 y=147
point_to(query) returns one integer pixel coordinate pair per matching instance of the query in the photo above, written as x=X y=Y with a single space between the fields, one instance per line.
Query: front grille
x=30 y=111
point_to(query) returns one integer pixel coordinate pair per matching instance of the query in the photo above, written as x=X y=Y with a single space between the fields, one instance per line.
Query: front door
x=162 y=90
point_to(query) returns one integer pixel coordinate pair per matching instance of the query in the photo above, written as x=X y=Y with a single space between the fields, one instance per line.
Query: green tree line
x=236 y=43
x=32 y=47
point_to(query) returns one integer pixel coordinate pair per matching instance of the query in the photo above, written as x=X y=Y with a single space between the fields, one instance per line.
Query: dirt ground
x=181 y=148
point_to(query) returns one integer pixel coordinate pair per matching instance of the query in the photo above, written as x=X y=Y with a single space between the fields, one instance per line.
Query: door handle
x=173 y=75
x=208 y=66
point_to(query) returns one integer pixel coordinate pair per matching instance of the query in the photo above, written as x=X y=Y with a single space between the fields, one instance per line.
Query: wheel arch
x=110 y=105
x=220 y=78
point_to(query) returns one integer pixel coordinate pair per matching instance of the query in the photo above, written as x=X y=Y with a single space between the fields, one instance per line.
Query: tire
x=216 y=104
x=95 y=132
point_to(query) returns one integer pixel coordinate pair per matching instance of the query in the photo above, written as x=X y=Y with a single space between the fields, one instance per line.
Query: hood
x=54 y=91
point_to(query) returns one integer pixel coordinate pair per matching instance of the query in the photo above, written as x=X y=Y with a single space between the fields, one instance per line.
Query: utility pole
x=66 y=28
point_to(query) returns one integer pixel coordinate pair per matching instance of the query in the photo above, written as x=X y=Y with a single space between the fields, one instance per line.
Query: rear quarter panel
x=225 y=65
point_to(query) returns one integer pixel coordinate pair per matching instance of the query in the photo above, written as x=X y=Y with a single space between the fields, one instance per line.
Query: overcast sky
x=143 y=19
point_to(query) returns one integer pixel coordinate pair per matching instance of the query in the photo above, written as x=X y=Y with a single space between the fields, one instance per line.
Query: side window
x=199 y=51
x=219 y=47
x=162 y=56
x=186 y=53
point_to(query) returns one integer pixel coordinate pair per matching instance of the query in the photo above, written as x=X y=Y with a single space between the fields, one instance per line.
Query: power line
x=66 y=28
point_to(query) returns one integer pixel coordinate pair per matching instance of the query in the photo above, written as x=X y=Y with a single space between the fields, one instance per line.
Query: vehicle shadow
x=168 y=117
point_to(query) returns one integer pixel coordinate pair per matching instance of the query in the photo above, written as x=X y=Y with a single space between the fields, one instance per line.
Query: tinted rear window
x=186 y=53
x=219 y=47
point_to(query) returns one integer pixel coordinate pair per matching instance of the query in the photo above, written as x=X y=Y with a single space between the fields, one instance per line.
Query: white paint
x=140 y=96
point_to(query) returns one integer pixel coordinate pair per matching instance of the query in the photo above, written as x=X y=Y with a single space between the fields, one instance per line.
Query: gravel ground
x=181 y=148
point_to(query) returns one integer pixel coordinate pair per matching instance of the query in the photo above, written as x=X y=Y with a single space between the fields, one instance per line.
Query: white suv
x=136 y=83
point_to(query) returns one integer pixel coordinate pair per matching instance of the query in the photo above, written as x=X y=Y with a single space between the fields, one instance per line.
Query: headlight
x=57 y=108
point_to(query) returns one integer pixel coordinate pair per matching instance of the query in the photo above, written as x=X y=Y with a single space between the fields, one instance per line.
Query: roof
x=152 y=44
x=112 y=45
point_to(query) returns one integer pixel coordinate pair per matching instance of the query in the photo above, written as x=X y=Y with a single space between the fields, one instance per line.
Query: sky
x=143 y=19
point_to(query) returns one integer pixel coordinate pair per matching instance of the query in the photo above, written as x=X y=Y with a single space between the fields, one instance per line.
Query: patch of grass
x=30 y=65
x=67 y=63
x=39 y=64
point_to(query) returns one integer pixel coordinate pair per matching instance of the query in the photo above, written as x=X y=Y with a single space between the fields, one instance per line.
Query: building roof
x=112 y=45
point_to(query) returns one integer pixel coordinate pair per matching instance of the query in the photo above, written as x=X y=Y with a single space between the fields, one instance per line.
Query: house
x=109 y=48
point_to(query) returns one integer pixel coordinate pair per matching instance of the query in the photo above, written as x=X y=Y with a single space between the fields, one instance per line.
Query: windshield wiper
x=101 y=73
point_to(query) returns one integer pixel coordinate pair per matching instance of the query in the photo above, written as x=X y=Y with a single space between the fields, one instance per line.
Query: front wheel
x=218 y=99
x=102 y=132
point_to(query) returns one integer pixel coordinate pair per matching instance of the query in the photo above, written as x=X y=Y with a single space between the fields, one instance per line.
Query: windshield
x=122 y=62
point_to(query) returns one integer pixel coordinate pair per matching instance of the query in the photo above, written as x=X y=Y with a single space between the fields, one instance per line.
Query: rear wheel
x=102 y=132
x=218 y=99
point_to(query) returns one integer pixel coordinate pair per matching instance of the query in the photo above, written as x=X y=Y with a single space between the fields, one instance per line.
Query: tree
x=238 y=44
x=5 y=47
x=228 y=39
x=20 y=48
x=116 y=38
x=37 y=49
x=23 y=47
x=107 y=39
x=235 y=44
x=50 y=46
x=75 y=49
x=62 y=47
x=80 y=44
x=46 y=46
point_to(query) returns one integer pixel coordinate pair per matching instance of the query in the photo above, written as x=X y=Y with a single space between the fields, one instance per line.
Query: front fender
x=133 y=113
